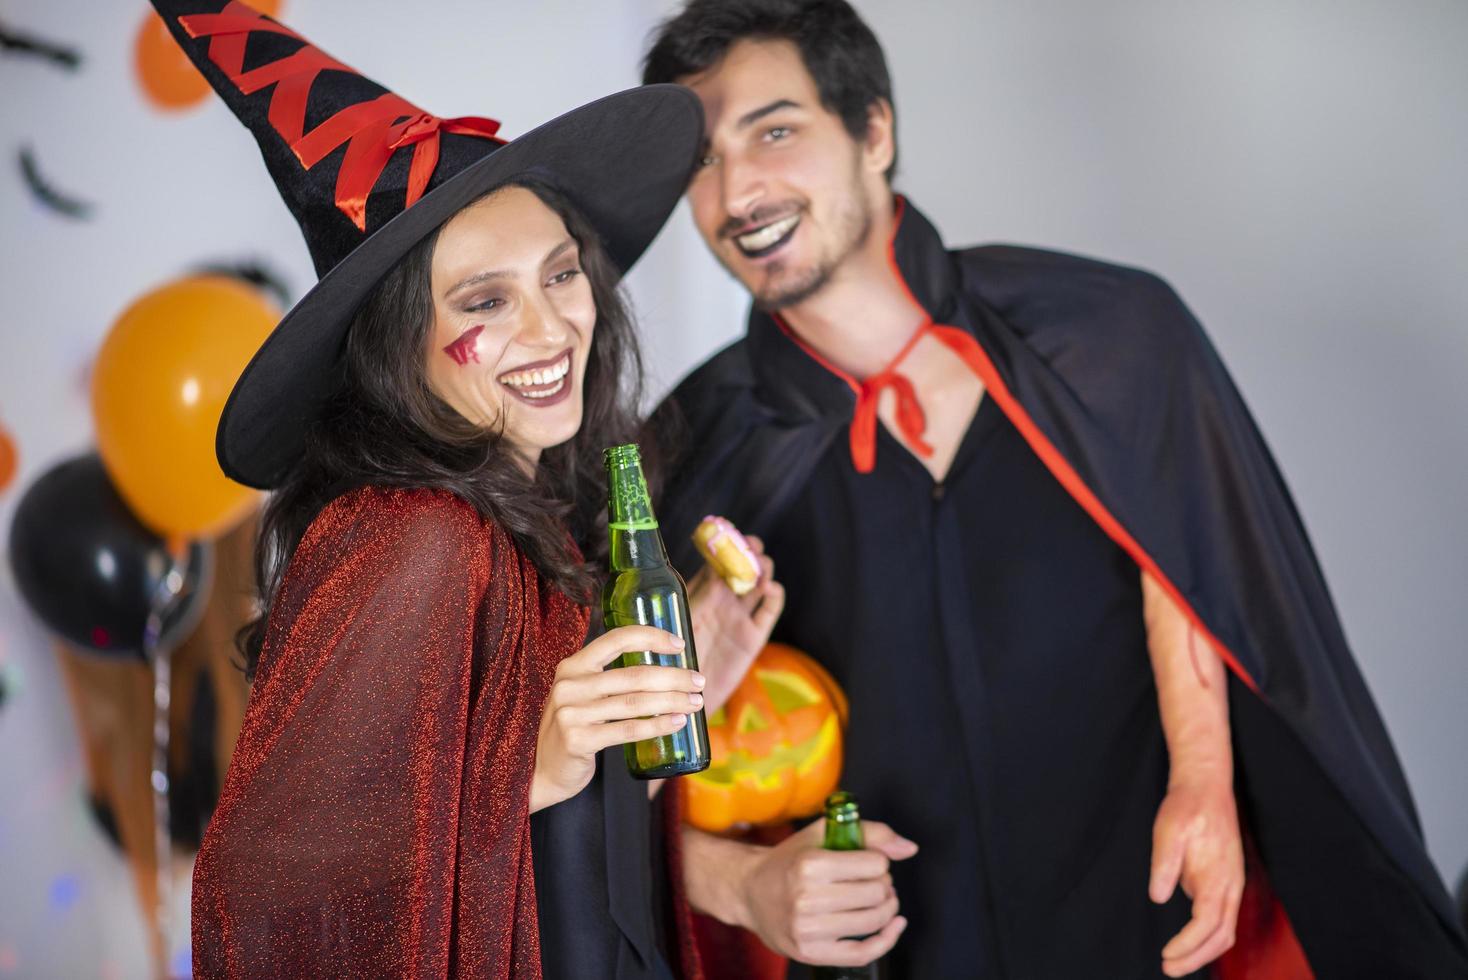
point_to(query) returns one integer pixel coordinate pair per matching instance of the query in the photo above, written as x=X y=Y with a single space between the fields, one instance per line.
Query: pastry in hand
x=724 y=548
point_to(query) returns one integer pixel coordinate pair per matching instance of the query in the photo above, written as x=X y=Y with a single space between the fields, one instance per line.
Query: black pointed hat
x=367 y=175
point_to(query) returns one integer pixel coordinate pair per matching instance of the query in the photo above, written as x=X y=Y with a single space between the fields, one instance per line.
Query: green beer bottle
x=843 y=833
x=644 y=590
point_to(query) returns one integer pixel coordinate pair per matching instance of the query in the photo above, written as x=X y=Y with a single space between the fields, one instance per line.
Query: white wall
x=1294 y=168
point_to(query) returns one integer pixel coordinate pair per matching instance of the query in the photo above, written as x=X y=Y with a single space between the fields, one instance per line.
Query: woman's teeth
x=541 y=376
x=544 y=394
x=768 y=235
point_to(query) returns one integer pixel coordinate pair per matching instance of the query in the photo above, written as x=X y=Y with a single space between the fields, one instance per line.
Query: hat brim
x=623 y=160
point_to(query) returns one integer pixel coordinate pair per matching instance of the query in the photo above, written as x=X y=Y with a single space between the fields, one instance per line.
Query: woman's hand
x=730 y=630
x=590 y=708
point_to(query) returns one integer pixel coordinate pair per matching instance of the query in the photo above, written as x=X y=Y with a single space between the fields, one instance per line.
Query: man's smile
x=767 y=239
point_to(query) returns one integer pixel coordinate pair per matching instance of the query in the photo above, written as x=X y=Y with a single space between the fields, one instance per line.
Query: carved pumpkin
x=776 y=745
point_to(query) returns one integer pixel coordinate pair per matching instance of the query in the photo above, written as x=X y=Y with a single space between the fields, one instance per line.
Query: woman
x=431 y=417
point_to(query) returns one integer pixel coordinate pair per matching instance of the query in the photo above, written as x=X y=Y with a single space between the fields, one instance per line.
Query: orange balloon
x=168 y=79
x=7 y=458
x=158 y=387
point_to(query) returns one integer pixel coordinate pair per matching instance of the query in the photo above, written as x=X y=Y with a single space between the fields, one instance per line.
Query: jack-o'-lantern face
x=776 y=745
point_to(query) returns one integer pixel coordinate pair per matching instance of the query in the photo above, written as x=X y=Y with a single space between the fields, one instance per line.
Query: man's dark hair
x=840 y=51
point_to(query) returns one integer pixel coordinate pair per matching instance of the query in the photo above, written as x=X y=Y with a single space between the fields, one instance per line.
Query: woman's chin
x=554 y=426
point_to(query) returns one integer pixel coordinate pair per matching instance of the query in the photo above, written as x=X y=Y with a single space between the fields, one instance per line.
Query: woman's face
x=513 y=317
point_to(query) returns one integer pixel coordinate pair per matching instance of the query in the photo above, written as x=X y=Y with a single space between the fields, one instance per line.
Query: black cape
x=1113 y=383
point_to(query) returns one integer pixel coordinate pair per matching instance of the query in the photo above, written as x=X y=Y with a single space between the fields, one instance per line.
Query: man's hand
x=1195 y=842
x=806 y=903
x=730 y=630
x=1195 y=839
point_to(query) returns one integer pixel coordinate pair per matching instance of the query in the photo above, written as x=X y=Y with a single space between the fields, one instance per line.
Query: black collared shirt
x=1003 y=714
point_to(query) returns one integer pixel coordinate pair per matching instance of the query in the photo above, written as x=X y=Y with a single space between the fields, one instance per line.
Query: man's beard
x=852 y=226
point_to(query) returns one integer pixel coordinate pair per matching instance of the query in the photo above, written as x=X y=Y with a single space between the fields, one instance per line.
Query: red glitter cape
x=375 y=819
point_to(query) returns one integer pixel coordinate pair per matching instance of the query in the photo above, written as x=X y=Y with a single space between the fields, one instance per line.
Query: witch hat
x=367 y=175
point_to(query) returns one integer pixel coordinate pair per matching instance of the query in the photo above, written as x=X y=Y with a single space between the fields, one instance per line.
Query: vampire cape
x=1116 y=389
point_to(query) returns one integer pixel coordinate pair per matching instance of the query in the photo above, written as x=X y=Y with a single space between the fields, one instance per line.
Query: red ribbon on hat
x=373 y=130
x=373 y=133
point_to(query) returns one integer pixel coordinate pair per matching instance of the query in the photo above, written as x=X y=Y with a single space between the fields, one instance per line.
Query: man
x=1024 y=518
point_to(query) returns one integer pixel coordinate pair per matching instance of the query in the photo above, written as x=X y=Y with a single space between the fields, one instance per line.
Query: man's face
x=780 y=195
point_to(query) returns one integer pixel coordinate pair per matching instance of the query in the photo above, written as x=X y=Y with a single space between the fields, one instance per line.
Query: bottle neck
x=640 y=548
x=843 y=834
x=632 y=528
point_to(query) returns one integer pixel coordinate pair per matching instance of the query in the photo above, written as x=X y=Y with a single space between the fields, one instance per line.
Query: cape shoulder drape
x=375 y=818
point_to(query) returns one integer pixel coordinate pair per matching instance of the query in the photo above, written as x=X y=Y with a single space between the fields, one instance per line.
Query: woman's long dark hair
x=384 y=426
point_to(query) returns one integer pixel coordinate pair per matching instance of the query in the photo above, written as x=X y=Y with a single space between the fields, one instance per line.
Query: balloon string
x=165 y=598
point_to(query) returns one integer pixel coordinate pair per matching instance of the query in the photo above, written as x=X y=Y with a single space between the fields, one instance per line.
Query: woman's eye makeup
x=485 y=305
x=565 y=275
x=462 y=350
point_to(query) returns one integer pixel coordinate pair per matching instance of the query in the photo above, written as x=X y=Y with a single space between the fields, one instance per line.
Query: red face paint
x=462 y=350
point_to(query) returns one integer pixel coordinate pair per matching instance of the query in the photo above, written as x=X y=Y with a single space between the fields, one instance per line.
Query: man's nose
x=743 y=188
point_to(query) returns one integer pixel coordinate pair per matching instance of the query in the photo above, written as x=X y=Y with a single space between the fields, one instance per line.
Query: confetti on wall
x=46 y=194
x=61 y=55
x=66 y=889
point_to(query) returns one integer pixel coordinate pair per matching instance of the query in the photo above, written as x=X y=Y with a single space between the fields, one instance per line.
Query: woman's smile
x=540 y=383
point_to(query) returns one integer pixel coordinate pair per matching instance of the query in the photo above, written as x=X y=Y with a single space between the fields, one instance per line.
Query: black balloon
x=90 y=571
